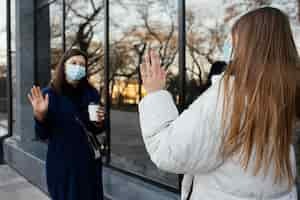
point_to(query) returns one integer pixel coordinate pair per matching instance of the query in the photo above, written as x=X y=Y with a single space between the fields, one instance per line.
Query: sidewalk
x=12 y=185
x=15 y=187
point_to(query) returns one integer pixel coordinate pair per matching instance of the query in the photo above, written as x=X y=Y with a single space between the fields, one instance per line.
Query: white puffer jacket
x=189 y=144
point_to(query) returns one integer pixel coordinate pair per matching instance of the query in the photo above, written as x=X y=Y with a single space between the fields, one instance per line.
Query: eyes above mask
x=75 y=72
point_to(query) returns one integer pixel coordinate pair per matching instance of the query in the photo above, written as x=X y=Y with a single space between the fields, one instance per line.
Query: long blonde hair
x=262 y=99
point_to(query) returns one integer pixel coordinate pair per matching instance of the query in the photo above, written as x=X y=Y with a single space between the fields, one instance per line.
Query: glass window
x=3 y=64
x=13 y=58
x=205 y=34
x=136 y=26
x=84 y=30
x=55 y=34
x=3 y=70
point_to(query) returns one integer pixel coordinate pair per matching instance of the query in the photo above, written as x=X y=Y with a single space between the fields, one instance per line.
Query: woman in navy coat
x=72 y=171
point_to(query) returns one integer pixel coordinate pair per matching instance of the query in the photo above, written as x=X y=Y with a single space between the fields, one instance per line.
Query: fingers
x=148 y=66
x=153 y=76
x=100 y=112
x=100 y=115
x=161 y=73
x=155 y=63
x=143 y=71
x=39 y=92
x=47 y=99
x=30 y=98
x=147 y=60
x=33 y=92
x=100 y=118
x=36 y=92
x=153 y=68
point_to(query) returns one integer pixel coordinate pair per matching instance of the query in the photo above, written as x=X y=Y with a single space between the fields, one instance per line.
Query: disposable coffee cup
x=93 y=108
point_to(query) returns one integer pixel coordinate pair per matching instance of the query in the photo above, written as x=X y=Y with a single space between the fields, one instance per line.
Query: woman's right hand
x=39 y=103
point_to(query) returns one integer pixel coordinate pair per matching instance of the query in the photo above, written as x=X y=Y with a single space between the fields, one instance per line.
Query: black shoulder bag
x=95 y=145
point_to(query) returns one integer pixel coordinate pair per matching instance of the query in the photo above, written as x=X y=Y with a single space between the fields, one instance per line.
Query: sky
x=2 y=14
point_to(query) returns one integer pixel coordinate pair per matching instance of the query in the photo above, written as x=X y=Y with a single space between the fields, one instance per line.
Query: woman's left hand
x=100 y=117
x=153 y=76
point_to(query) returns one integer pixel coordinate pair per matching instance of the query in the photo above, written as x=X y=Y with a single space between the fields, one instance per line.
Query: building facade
x=189 y=35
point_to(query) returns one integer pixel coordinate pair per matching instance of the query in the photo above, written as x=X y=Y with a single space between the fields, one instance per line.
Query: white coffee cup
x=93 y=108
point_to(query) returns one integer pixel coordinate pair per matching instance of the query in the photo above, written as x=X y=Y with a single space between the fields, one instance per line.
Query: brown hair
x=59 y=81
x=262 y=98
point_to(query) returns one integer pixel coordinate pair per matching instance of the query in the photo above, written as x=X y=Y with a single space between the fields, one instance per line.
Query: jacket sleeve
x=186 y=143
x=43 y=129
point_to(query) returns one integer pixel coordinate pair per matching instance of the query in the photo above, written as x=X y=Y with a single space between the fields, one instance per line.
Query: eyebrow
x=73 y=61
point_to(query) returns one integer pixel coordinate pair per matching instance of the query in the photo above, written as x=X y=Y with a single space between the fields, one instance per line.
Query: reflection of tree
x=135 y=40
x=161 y=34
x=84 y=36
x=129 y=47
x=298 y=4
x=202 y=44
x=80 y=30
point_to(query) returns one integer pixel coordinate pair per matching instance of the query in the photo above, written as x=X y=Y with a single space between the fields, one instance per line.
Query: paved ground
x=12 y=185
x=15 y=187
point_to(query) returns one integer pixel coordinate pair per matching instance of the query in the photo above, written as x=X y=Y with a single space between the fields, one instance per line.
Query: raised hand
x=39 y=103
x=100 y=117
x=153 y=76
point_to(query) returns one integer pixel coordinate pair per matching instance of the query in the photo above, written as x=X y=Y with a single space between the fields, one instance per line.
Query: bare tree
x=82 y=22
x=298 y=2
x=165 y=36
x=128 y=51
x=202 y=46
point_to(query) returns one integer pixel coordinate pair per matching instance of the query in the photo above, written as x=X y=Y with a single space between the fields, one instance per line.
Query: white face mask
x=75 y=72
x=227 y=50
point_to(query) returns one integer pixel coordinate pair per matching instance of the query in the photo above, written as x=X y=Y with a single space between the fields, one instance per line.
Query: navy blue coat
x=72 y=172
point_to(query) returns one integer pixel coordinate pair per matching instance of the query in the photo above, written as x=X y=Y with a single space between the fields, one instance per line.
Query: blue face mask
x=227 y=51
x=75 y=72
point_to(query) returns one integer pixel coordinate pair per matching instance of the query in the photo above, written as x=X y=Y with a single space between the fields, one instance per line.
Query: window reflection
x=135 y=27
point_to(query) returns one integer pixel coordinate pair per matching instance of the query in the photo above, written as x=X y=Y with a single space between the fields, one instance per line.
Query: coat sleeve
x=186 y=143
x=43 y=129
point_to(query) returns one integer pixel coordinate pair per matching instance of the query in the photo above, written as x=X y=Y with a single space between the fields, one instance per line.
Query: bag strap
x=94 y=144
x=191 y=190
x=83 y=126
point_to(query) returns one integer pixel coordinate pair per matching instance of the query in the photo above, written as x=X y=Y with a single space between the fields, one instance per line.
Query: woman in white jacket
x=234 y=141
